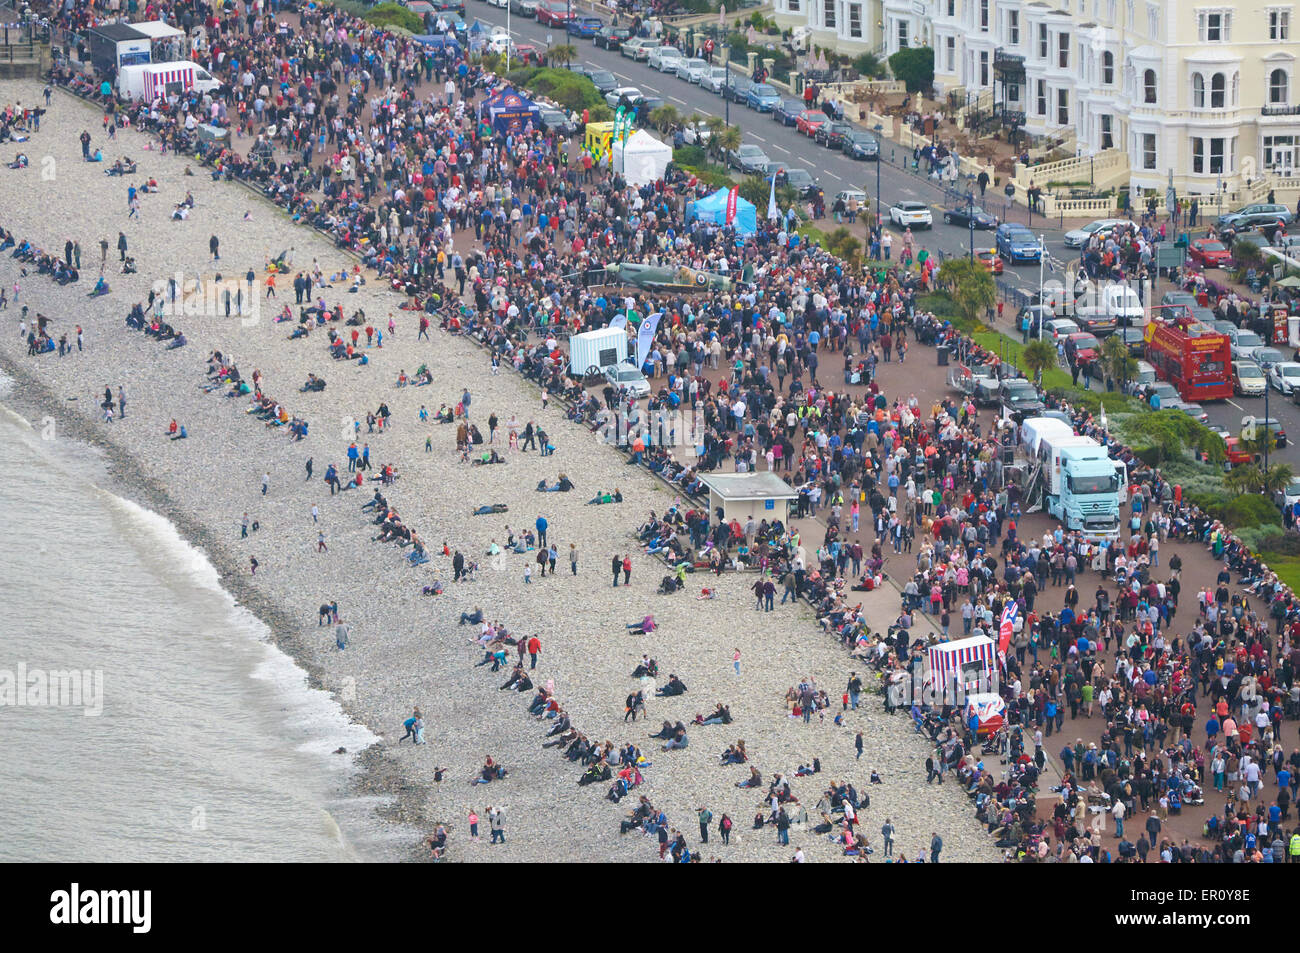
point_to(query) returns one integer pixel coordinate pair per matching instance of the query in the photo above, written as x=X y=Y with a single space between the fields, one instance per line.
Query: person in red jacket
x=534 y=646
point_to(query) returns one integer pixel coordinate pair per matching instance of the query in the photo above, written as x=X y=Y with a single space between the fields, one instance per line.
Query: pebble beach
x=408 y=649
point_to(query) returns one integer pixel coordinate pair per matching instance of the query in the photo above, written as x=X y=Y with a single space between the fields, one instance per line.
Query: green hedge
x=392 y=14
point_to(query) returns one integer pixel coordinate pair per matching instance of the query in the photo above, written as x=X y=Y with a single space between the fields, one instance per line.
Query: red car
x=553 y=13
x=528 y=54
x=1235 y=455
x=809 y=121
x=1209 y=253
x=990 y=260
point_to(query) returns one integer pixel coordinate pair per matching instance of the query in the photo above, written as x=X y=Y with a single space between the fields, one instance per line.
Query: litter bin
x=942 y=351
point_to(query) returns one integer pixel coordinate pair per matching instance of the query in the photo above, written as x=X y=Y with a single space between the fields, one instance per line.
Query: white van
x=1108 y=307
x=148 y=81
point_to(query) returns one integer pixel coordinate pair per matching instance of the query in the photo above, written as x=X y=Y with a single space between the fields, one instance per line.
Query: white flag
x=619 y=321
x=645 y=337
x=772 y=212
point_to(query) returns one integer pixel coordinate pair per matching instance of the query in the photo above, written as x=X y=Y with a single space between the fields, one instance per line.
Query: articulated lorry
x=1082 y=486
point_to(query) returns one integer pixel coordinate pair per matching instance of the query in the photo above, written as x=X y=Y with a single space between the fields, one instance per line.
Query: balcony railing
x=1004 y=60
x=1279 y=109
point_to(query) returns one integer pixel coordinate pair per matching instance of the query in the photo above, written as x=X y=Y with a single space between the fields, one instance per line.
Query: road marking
x=676 y=100
x=621 y=76
x=834 y=176
x=759 y=138
x=655 y=90
x=781 y=148
x=1235 y=404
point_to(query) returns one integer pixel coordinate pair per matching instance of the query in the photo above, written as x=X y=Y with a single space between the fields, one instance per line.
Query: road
x=835 y=171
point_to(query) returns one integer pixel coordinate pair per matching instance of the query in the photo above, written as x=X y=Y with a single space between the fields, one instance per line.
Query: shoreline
x=404 y=645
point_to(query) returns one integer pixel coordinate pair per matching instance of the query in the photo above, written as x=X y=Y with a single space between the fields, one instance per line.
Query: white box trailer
x=591 y=352
x=1034 y=430
x=148 y=81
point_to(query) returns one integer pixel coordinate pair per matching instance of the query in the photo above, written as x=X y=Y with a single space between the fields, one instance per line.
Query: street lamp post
x=879 y=159
x=1268 y=433
x=1042 y=255
x=970 y=221
x=509 y=41
x=726 y=89
x=568 y=18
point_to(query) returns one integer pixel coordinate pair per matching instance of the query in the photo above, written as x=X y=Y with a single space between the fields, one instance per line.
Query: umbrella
x=1290 y=281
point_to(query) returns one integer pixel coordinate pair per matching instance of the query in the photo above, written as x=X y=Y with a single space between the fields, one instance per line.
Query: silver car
x=626 y=376
x=714 y=78
x=692 y=70
x=1244 y=342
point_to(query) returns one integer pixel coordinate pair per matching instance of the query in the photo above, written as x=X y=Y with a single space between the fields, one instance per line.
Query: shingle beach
x=408 y=649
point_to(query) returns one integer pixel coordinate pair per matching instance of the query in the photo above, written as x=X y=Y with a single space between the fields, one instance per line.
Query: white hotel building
x=1206 y=90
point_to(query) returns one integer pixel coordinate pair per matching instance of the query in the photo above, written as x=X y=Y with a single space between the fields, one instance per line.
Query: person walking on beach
x=706 y=817
x=320 y=543
x=214 y=246
x=724 y=829
x=887 y=832
x=541 y=531
x=497 y=820
x=627 y=570
x=266 y=482
x=243 y=527
x=936 y=845
x=857 y=746
x=309 y=469
x=573 y=559
x=473 y=825
x=121 y=246
x=103 y=253
x=341 y=632
x=253 y=564
x=617 y=565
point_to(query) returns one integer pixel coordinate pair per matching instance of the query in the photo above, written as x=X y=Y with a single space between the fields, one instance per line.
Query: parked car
x=620 y=96
x=1266 y=357
x=738 y=89
x=692 y=70
x=1082 y=346
x=1209 y=253
x=1258 y=239
x=963 y=214
x=584 y=26
x=714 y=78
x=990 y=259
x=644 y=106
x=611 y=37
x=530 y=53
x=763 y=97
x=1252 y=216
x=665 y=59
x=1134 y=339
x=909 y=214
x=749 y=159
x=696 y=133
x=860 y=145
x=602 y=79
x=1248 y=379
x=629 y=377
x=554 y=13
x=524 y=8
x=1250 y=428
x=809 y=121
x=1058 y=328
x=1234 y=454
x=1244 y=343
x=1144 y=374
x=638 y=48
x=553 y=120
x=801 y=180
x=1179 y=298
x=1017 y=244
x=499 y=4
x=1284 y=376
x=787 y=111
x=831 y=134
x=1078 y=237
x=1289 y=495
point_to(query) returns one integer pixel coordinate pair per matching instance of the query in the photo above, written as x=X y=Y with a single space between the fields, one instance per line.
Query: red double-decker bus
x=1189 y=354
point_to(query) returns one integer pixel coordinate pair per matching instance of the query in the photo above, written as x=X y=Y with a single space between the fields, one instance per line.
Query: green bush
x=915 y=67
x=938 y=303
x=1249 y=510
x=1265 y=539
x=392 y=14
x=868 y=64
x=691 y=156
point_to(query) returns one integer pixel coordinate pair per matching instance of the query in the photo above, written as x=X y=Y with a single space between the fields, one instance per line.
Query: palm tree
x=1038 y=356
x=728 y=140
x=1120 y=365
x=1276 y=477
x=665 y=118
x=564 y=54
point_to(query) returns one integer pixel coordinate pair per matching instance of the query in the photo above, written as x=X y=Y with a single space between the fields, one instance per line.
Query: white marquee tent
x=642 y=158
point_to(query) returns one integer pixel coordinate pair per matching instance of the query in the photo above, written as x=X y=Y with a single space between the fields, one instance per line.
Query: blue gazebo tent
x=713 y=208
x=509 y=111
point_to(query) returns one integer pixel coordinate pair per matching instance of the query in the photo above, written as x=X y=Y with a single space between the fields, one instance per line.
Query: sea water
x=201 y=743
